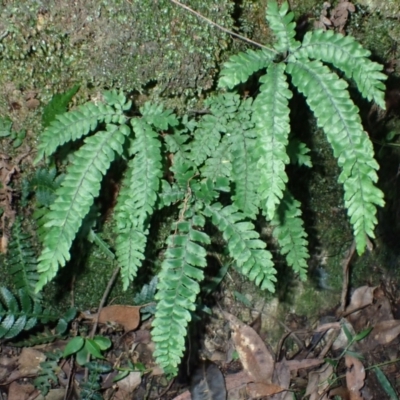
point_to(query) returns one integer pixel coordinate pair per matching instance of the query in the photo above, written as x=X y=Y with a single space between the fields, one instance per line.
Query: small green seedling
x=81 y=347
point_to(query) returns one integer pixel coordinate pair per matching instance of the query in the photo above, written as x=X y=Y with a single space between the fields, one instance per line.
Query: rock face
x=389 y=8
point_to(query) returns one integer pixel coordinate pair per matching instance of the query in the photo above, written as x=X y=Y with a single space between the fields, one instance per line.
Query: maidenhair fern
x=226 y=166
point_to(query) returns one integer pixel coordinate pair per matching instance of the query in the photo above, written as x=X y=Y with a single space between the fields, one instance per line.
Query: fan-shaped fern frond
x=75 y=197
x=335 y=112
x=76 y=124
x=244 y=245
x=154 y=114
x=271 y=117
x=290 y=234
x=219 y=163
x=170 y=194
x=21 y=259
x=240 y=67
x=178 y=287
x=345 y=53
x=282 y=24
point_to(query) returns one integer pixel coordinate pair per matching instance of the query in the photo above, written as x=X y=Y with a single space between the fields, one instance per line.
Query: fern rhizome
x=239 y=147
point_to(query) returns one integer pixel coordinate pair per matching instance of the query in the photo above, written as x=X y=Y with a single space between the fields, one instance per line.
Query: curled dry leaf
x=208 y=383
x=254 y=355
x=355 y=376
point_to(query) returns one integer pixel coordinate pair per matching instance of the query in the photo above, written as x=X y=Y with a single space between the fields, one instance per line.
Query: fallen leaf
x=29 y=361
x=256 y=390
x=208 y=383
x=127 y=316
x=355 y=376
x=127 y=385
x=318 y=382
x=253 y=353
x=386 y=331
x=17 y=391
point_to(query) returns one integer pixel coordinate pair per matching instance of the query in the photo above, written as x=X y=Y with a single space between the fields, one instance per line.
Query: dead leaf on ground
x=126 y=316
x=208 y=383
x=355 y=376
x=318 y=382
x=19 y=391
x=257 y=390
x=253 y=353
x=383 y=333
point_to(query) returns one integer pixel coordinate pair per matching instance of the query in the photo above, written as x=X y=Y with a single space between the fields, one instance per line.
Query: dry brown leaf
x=257 y=390
x=253 y=353
x=295 y=365
x=29 y=361
x=19 y=391
x=362 y=297
x=318 y=382
x=355 y=376
x=127 y=316
x=127 y=385
x=386 y=331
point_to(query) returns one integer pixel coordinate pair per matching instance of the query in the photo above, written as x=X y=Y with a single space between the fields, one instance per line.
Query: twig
x=345 y=266
x=244 y=38
x=101 y=305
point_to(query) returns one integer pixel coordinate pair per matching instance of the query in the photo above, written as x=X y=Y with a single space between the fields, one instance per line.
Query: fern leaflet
x=271 y=116
x=338 y=116
x=75 y=197
x=290 y=234
x=244 y=245
x=178 y=286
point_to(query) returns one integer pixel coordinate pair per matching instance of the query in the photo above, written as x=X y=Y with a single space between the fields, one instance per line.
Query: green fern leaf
x=154 y=114
x=130 y=245
x=298 y=153
x=345 y=53
x=117 y=100
x=335 y=112
x=244 y=245
x=219 y=163
x=271 y=117
x=57 y=105
x=290 y=234
x=178 y=287
x=75 y=197
x=21 y=259
x=74 y=125
x=241 y=66
x=281 y=23
x=244 y=165
x=170 y=194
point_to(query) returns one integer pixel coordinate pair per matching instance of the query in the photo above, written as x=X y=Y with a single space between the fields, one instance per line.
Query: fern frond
x=154 y=114
x=245 y=175
x=18 y=313
x=290 y=234
x=117 y=100
x=21 y=259
x=219 y=163
x=240 y=67
x=271 y=117
x=170 y=194
x=130 y=245
x=298 y=153
x=75 y=197
x=282 y=24
x=178 y=287
x=74 y=125
x=338 y=116
x=345 y=53
x=244 y=245
x=44 y=183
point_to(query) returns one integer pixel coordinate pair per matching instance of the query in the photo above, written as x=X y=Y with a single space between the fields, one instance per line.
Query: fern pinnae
x=240 y=67
x=244 y=245
x=338 y=116
x=271 y=117
x=282 y=24
x=74 y=125
x=290 y=233
x=345 y=53
x=75 y=197
x=242 y=138
x=178 y=287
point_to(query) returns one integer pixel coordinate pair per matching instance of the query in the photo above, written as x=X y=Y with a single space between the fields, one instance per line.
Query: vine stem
x=197 y=14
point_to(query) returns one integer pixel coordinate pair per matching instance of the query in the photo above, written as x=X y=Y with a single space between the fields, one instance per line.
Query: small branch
x=229 y=32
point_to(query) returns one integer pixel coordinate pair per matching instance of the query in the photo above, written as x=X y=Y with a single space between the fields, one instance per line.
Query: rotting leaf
x=208 y=383
x=257 y=390
x=254 y=355
x=355 y=376
x=318 y=382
